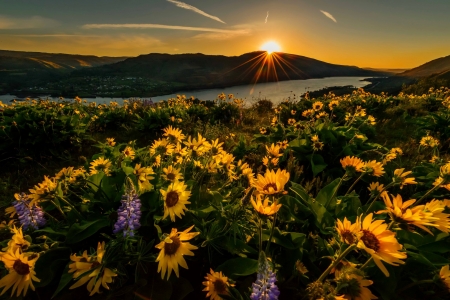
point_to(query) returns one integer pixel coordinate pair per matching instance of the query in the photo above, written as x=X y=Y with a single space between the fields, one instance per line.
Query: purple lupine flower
x=129 y=214
x=264 y=288
x=28 y=215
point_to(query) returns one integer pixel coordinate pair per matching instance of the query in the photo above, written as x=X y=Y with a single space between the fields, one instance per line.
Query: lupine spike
x=29 y=216
x=264 y=288
x=129 y=214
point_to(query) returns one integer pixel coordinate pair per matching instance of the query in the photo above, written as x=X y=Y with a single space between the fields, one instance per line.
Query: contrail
x=159 y=26
x=267 y=17
x=195 y=9
x=328 y=15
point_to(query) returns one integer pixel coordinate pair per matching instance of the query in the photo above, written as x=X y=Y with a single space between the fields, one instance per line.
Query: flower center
x=95 y=264
x=21 y=268
x=171 y=248
x=370 y=240
x=171 y=176
x=219 y=286
x=348 y=237
x=270 y=185
x=172 y=198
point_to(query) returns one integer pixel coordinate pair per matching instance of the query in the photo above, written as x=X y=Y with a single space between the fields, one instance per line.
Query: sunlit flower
x=283 y=144
x=274 y=150
x=271 y=182
x=429 y=141
x=360 y=112
x=375 y=188
x=215 y=147
x=144 y=175
x=321 y=115
x=216 y=285
x=175 y=199
x=161 y=147
x=128 y=152
x=17 y=241
x=42 y=190
x=21 y=272
x=371 y=120
x=293 y=112
x=172 y=174
x=333 y=104
x=379 y=242
x=274 y=121
x=262 y=130
x=291 y=121
x=173 y=248
x=263 y=206
x=100 y=165
x=373 y=168
x=174 y=135
x=196 y=145
x=355 y=286
x=401 y=177
x=318 y=105
x=99 y=275
x=444 y=274
x=347 y=231
x=267 y=160
x=308 y=113
x=352 y=164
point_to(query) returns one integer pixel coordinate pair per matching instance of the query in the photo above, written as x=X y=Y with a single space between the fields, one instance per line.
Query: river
x=274 y=91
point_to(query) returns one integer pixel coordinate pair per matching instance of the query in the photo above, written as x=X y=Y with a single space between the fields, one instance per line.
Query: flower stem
x=378 y=196
x=354 y=183
x=414 y=284
x=260 y=234
x=366 y=263
x=427 y=193
x=271 y=233
x=335 y=263
x=336 y=190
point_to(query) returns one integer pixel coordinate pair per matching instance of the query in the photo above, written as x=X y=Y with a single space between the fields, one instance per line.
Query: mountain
x=435 y=66
x=204 y=71
x=33 y=68
x=20 y=61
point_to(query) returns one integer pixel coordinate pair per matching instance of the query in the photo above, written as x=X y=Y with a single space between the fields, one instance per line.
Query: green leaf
x=181 y=288
x=51 y=263
x=323 y=197
x=240 y=266
x=66 y=278
x=80 y=231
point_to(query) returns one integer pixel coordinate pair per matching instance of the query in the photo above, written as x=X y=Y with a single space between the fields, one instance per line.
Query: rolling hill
x=199 y=70
x=435 y=66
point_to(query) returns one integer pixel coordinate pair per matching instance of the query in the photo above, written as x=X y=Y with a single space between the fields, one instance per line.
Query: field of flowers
x=331 y=198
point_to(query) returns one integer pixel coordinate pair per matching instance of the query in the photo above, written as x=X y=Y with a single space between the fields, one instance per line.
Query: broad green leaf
x=66 y=278
x=325 y=194
x=51 y=263
x=80 y=231
x=240 y=266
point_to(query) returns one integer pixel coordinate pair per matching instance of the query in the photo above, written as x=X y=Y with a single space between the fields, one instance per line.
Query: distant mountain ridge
x=218 y=70
x=433 y=67
x=20 y=60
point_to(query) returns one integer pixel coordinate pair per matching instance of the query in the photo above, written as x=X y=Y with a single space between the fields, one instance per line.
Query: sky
x=364 y=33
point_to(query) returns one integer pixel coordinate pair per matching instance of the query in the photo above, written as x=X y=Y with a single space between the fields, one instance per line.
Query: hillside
x=19 y=60
x=34 y=68
x=199 y=70
x=435 y=66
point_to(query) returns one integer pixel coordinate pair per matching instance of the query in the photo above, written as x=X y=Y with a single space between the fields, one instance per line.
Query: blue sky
x=366 y=33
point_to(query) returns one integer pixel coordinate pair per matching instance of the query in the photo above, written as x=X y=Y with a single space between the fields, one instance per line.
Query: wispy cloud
x=328 y=15
x=25 y=23
x=238 y=30
x=155 y=26
x=195 y=9
x=267 y=17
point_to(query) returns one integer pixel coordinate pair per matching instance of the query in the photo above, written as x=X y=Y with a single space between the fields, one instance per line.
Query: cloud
x=328 y=15
x=267 y=17
x=26 y=23
x=238 y=30
x=155 y=26
x=195 y=9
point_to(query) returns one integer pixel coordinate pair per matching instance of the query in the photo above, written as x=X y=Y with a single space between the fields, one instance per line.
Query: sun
x=271 y=46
